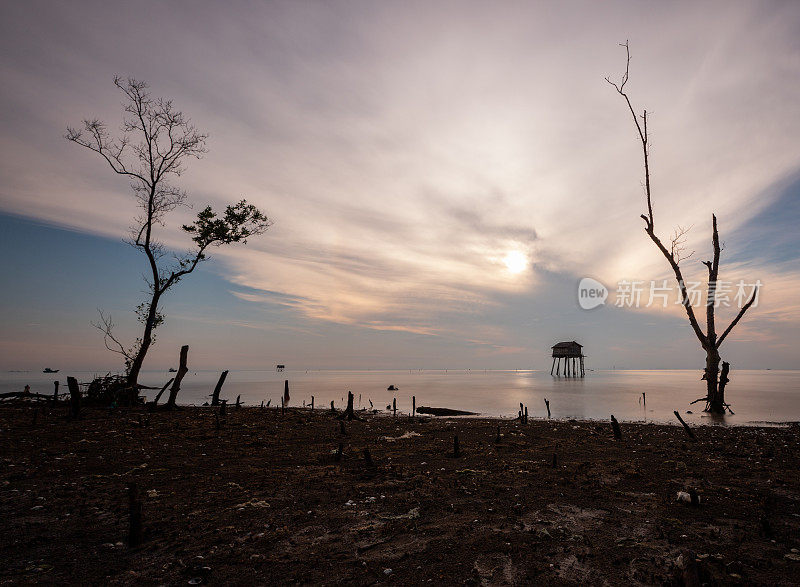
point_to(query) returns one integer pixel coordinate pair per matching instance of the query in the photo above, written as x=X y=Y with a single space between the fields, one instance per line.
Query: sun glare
x=516 y=262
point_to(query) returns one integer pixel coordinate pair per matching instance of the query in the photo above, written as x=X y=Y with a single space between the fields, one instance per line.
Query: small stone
x=387 y=571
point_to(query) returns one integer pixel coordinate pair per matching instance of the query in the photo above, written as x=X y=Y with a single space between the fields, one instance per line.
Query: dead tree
x=349 y=414
x=155 y=144
x=176 y=384
x=218 y=388
x=709 y=341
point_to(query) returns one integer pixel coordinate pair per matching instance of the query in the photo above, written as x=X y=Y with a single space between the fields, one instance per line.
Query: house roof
x=569 y=344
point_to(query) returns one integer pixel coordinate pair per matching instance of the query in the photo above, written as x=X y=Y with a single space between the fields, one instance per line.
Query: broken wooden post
x=55 y=393
x=312 y=403
x=616 y=428
x=394 y=407
x=547 y=405
x=238 y=401
x=74 y=397
x=413 y=405
x=456 y=449
x=218 y=388
x=176 y=385
x=286 y=392
x=262 y=404
x=159 y=394
x=134 y=516
x=685 y=425
x=644 y=399
x=332 y=408
x=526 y=414
x=348 y=414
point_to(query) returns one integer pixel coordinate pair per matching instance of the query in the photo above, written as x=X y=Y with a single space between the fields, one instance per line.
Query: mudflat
x=261 y=497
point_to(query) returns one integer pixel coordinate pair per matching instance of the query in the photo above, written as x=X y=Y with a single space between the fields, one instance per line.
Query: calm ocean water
x=756 y=396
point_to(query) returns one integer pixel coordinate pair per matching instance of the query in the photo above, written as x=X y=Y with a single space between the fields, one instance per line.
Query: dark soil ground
x=262 y=500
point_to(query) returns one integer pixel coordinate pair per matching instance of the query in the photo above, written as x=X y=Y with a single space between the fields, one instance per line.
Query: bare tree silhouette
x=709 y=341
x=156 y=141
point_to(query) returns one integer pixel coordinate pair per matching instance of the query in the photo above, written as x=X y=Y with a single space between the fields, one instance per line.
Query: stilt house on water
x=572 y=353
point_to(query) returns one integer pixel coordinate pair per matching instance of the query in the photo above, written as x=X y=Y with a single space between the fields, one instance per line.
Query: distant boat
x=49 y=370
x=171 y=370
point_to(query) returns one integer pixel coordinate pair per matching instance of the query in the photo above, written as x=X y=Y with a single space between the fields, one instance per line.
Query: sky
x=440 y=175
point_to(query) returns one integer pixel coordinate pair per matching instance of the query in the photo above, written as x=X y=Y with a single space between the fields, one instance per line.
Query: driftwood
x=160 y=393
x=685 y=425
x=218 y=388
x=176 y=385
x=443 y=412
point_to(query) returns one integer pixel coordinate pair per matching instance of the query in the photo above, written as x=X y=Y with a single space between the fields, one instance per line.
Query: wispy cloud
x=405 y=149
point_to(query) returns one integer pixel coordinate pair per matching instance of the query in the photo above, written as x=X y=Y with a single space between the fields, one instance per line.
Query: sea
x=757 y=397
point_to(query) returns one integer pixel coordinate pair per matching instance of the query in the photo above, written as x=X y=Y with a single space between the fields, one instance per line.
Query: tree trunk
x=715 y=402
x=147 y=340
x=218 y=388
x=176 y=385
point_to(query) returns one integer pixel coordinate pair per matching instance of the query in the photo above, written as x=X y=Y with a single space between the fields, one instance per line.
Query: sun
x=516 y=262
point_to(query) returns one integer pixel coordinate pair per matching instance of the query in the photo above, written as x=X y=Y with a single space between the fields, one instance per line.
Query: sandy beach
x=261 y=498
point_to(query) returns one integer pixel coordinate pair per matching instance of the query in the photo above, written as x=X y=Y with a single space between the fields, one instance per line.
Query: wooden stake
x=55 y=393
x=238 y=401
x=526 y=414
x=286 y=392
x=547 y=405
x=332 y=408
x=413 y=405
x=312 y=403
x=394 y=407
